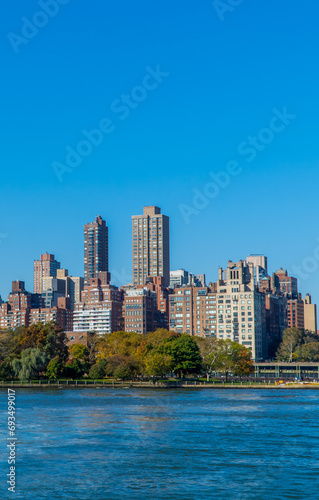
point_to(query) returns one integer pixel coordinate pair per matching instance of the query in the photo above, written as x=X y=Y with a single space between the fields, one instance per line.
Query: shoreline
x=159 y=386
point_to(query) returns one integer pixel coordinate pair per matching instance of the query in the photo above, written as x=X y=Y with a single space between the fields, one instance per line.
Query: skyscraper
x=150 y=239
x=96 y=249
x=46 y=266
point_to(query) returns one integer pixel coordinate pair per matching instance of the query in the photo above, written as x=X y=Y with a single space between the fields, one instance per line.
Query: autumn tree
x=49 y=338
x=158 y=364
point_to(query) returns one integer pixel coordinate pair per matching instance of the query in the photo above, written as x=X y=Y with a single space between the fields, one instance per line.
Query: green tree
x=210 y=350
x=184 y=352
x=74 y=368
x=124 y=367
x=158 y=364
x=98 y=370
x=5 y=370
x=32 y=362
x=7 y=345
x=55 y=368
x=225 y=361
x=308 y=352
x=292 y=337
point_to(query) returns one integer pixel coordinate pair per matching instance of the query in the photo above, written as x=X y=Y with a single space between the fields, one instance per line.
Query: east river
x=183 y=444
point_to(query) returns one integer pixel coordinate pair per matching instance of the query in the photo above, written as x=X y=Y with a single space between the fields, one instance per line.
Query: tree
x=308 y=352
x=49 y=338
x=292 y=337
x=114 y=362
x=32 y=362
x=74 y=368
x=225 y=361
x=124 y=367
x=55 y=368
x=243 y=364
x=118 y=343
x=79 y=351
x=158 y=364
x=185 y=354
x=7 y=342
x=210 y=350
x=98 y=370
x=5 y=370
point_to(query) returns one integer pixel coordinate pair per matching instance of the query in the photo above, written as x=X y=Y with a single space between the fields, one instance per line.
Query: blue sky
x=223 y=80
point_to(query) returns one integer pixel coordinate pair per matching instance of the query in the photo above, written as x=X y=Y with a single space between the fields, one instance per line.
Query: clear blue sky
x=225 y=78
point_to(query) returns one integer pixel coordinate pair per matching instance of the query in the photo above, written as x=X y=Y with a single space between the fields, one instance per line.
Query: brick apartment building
x=101 y=307
x=150 y=243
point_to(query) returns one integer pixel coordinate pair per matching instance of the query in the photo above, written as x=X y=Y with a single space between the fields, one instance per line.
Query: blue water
x=164 y=444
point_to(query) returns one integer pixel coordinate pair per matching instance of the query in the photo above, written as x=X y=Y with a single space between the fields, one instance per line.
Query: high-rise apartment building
x=150 y=239
x=96 y=249
x=45 y=267
x=241 y=311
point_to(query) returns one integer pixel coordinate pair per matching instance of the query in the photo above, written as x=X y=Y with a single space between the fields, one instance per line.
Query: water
x=183 y=444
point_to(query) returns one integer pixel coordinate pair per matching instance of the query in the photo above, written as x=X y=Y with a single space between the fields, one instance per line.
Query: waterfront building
x=101 y=307
x=241 y=308
x=150 y=242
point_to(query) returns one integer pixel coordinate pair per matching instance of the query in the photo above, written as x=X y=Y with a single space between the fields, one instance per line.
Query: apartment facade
x=45 y=267
x=288 y=284
x=62 y=285
x=295 y=313
x=241 y=308
x=25 y=309
x=310 y=314
x=150 y=243
x=139 y=310
x=97 y=319
x=96 y=249
x=60 y=314
x=101 y=307
x=193 y=310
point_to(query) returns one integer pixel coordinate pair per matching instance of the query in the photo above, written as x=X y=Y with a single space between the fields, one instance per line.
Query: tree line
x=298 y=345
x=42 y=351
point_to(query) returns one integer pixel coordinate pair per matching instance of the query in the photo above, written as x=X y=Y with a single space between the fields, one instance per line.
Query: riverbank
x=74 y=384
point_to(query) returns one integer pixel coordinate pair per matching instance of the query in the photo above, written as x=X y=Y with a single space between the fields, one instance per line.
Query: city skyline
x=218 y=90
x=124 y=275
